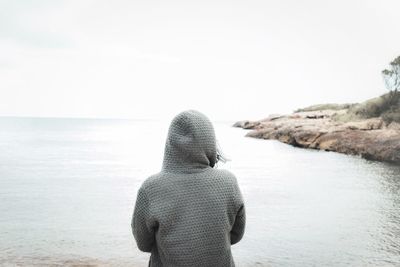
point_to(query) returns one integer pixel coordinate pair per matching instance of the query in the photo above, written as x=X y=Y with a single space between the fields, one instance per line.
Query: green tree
x=391 y=102
x=391 y=76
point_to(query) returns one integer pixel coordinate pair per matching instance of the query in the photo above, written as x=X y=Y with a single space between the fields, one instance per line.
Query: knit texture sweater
x=190 y=213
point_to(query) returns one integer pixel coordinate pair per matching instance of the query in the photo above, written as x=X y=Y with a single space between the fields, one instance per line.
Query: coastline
x=371 y=138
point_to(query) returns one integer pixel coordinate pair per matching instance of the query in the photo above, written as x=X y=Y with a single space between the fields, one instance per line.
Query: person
x=190 y=213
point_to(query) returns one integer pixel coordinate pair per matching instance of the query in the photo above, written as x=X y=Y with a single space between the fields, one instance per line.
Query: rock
x=369 y=138
x=315 y=116
x=394 y=126
x=306 y=138
x=368 y=124
x=250 y=124
x=246 y=124
x=239 y=124
x=272 y=117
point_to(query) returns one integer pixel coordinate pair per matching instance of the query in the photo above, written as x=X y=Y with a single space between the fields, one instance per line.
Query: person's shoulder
x=225 y=174
x=151 y=181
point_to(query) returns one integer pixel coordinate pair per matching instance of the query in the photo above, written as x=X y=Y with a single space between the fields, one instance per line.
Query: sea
x=68 y=189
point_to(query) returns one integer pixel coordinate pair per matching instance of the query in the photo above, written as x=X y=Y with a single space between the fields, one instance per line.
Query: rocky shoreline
x=369 y=138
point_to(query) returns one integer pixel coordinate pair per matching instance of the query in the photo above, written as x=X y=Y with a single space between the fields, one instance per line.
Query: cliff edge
x=371 y=138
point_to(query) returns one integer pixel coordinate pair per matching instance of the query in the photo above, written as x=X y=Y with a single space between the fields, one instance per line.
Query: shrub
x=391 y=116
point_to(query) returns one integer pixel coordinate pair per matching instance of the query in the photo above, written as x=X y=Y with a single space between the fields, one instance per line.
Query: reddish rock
x=370 y=139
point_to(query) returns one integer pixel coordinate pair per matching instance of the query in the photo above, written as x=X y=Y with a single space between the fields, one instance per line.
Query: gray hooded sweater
x=190 y=213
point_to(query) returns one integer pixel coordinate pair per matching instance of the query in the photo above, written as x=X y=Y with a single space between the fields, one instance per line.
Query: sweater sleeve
x=237 y=231
x=141 y=228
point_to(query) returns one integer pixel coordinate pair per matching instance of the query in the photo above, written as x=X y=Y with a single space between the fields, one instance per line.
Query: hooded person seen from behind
x=190 y=213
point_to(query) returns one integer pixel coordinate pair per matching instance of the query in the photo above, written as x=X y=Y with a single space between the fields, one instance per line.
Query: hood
x=190 y=144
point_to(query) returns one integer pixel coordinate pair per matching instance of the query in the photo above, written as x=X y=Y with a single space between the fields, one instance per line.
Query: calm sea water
x=68 y=187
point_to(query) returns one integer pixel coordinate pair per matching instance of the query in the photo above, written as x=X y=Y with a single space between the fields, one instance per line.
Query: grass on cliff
x=386 y=106
x=325 y=107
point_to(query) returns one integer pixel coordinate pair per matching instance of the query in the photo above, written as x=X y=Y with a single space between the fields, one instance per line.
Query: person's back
x=189 y=214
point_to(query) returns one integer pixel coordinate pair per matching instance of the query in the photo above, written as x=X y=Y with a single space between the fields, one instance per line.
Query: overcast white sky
x=229 y=59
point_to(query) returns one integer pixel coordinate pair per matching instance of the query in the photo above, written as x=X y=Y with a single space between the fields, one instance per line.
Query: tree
x=392 y=76
x=392 y=82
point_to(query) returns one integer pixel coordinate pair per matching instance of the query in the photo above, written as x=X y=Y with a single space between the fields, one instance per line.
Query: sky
x=231 y=60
